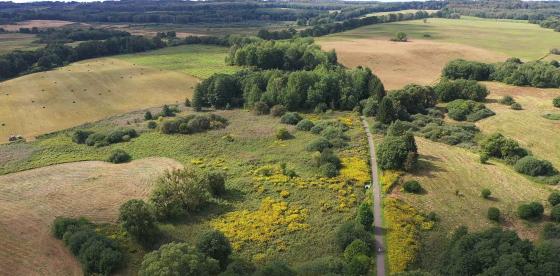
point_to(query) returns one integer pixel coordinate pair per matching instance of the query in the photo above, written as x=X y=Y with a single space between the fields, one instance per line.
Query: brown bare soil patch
x=401 y=63
x=30 y=200
x=36 y=23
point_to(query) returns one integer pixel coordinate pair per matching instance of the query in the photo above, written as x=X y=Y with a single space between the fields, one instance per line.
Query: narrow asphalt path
x=377 y=212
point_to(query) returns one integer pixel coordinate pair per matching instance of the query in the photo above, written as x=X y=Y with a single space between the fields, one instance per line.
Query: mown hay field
x=527 y=126
x=30 y=200
x=85 y=91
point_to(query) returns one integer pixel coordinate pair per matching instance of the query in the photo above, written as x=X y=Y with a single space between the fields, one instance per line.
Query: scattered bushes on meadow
x=469 y=70
x=148 y=116
x=412 y=186
x=450 y=134
x=507 y=100
x=283 y=134
x=319 y=144
x=182 y=192
x=498 y=146
x=449 y=90
x=100 y=139
x=400 y=37
x=138 y=219
x=119 y=156
x=556 y=102
x=193 y=123
x=485 y=193
x=177 y=259
x=461 y=110
x=529 y=211
x=291 y=118
x=96 y=253
x=529 y=165
x=554 y=198
x=493 y=214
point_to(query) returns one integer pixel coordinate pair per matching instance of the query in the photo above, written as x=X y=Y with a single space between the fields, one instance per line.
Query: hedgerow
x=193 y=123
x=100 y=139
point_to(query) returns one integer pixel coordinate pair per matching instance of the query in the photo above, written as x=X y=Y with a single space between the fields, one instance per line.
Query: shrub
x=216 y=182
x=318 y=144
x=193 y=123
x=507 y=100
x=516 y=106
x=556 y=102
x=551 y=231
x=179 y=192
x=359 y=265
x=493 y=214
x=411 y=161
x=166 y=111
x=412 y=186
x=148 y=116
x=484 y=158
x=386 y=113
x=283 y=134
x=239 y=267
x=188 y=102
x=531 y=210
x=450 y=134
x=471 y=111
x=61 y=225
x=138 y=219
x=534 y=167
x=80 y=136
x=320 y=108
x=449 y=90
x=554 y=198
x=305 y=125
x=365 y=215
x=215 y=245
x=485 y=193
x=329 y=170
x=325 y=157
x=392 y=153
x=370 y=107
x=278 y=110
x=496 y=145
x=349 y=231
x=119 y=156
x=152 y=125
x=400 y=37
x=177 y=259
x=261 y=108
x=291 y=118
x=97 y=140
x=357 y=247
x=555 y=213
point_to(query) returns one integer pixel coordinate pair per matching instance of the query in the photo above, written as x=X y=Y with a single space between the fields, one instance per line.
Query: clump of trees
x=448 y=90
x=178 y=258
x=505 y=254
x=139 y=220
x=97 y=253
x=193 y=123
x=461 y=110
x=101 y=139
x=468 y=70
x=498 y=146
x=397 y=152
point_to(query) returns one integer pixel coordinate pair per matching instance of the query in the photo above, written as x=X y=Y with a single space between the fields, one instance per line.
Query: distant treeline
x=513 y=71
x=24 y=62
x=506 y=9
x=67 y=35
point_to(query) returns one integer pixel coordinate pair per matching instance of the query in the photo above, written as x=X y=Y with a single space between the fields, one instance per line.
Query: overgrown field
x=15 y=41
x=267 y=215
x=200 y=61
x=528 y=126
x=85 y=91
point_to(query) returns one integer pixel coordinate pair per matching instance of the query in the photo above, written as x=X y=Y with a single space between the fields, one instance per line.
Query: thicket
x=469 y=70
x=68 y=35
x=178 y=259
x=101 y=139
x=468 y=110
x=504 y=254
x=532 y=166
x=397 y=153
x=498 y=146
x=96 y=253
x=448 y=90
x=138 y=219
x=193 y=123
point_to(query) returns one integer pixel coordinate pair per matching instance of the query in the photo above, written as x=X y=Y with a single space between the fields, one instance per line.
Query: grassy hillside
x=506 y=37
x=528 y=126
x=200 y=61
x=274 y=217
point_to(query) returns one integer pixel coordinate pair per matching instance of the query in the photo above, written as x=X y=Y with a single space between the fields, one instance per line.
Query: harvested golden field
x=528 y=126
x=448 y=170
x=36 y=23
x=398 y=64
x=30 y=200
x=83 y=92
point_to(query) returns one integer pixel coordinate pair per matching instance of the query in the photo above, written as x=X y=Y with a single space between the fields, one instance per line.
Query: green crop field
x=197 y=60
x=507 y=37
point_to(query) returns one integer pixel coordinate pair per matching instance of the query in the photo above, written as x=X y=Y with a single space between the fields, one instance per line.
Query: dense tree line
x=506 y=9
x=67 y=35
x=513 y=71
x=23 y=62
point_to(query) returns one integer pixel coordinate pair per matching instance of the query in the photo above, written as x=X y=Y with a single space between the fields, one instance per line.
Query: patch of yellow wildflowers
x=355 y=168
x=264 y=226
x=389 y=178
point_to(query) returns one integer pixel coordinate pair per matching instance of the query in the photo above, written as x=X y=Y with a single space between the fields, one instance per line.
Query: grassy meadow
x=200 y=61
x=15 y=41
x=312 y=206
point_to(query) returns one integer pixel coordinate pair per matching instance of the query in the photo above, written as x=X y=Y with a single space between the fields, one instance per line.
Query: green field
x=16 y=41
x=320 y=204
x=512 y=38
x=197 y=60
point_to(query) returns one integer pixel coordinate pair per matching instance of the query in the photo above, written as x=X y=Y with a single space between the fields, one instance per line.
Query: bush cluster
x=450 y=134
x=412 y=186
x=96 y=253
x=507 y=100
x=305 y=125
x=291 y=118
x=469 y=70
x=138 y=219
x=193 y=123
x=498 y=146
x=556 y=102
x=397 y=153
x=554 y=198
x=533 y=210
x=532 y=166
x=119 y=156
x=100 y=139
x=493 y=214
x=283 y=134
x=448 y=90
x=461 y=110
x=277 y=110
x=328 y=163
